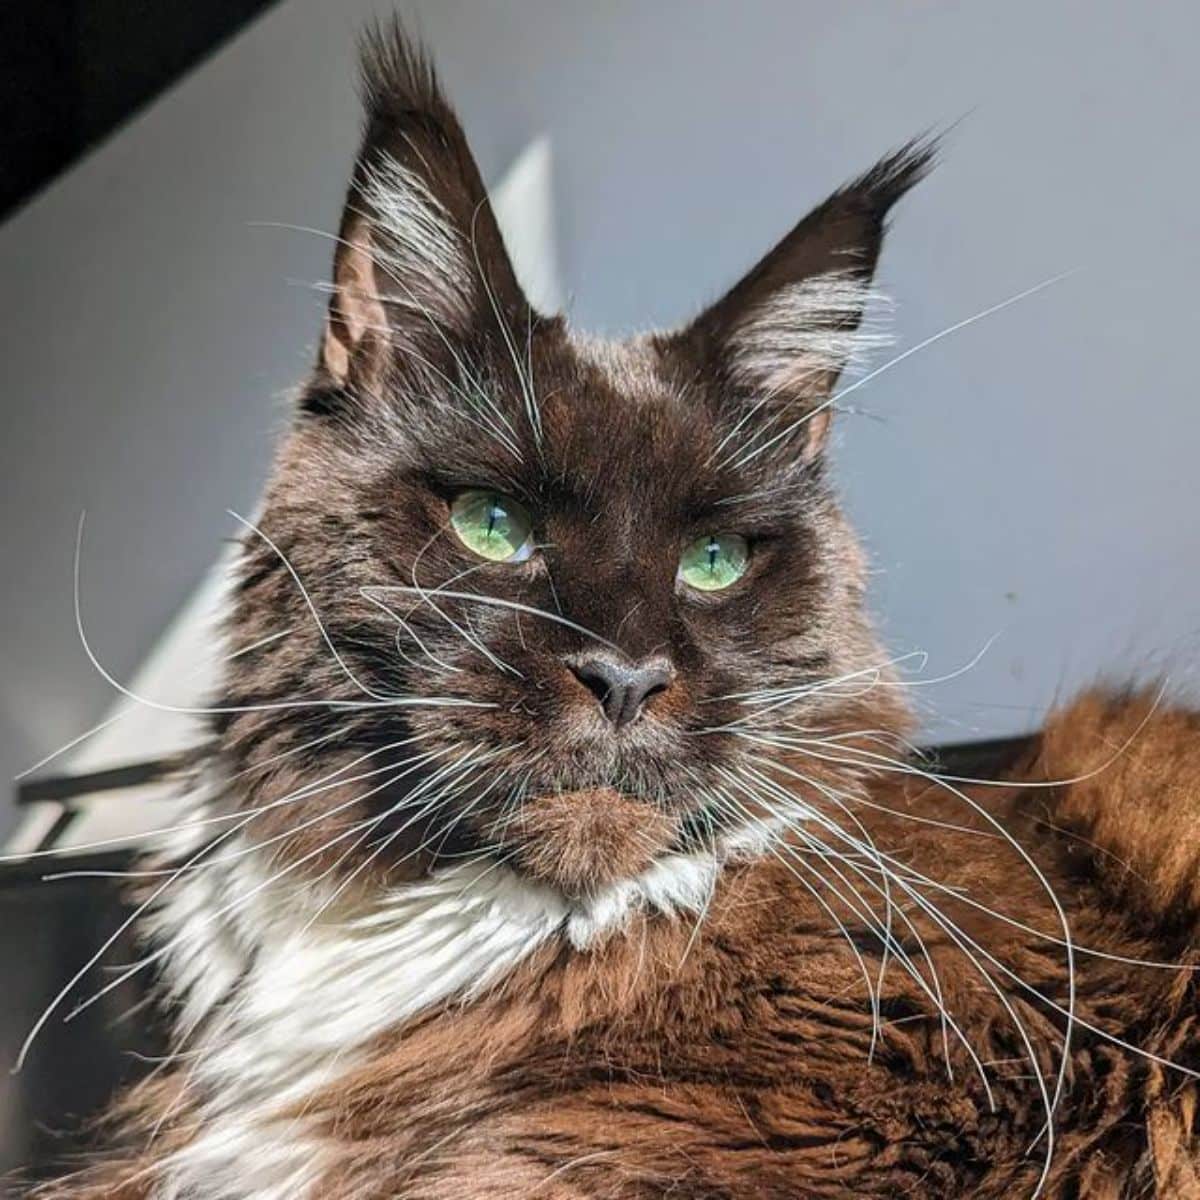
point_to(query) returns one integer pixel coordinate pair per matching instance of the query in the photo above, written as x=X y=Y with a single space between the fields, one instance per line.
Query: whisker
x=964 y=897
x=498 y=602
x=210 y=916
x=450 y=794
x=888 y=940
x=208 y=863
x=214 y=819
x=108 y=722
x=872 y=996
x=470 y=638
x=836 y=398
x=1060 y=913
x=312 y=608
x=273 y=706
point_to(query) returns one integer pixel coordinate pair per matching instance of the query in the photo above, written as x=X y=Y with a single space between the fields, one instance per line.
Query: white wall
x=1030 y=475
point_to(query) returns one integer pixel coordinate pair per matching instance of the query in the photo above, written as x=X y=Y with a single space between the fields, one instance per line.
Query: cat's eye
x=714 y=561
x=493 y=526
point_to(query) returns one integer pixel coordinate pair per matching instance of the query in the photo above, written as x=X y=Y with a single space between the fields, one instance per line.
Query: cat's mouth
x=580 y=841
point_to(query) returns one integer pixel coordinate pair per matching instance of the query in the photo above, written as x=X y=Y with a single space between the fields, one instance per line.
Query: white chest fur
x=281 y=986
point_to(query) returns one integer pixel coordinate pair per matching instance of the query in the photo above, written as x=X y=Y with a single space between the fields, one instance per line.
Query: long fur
x=438 y=928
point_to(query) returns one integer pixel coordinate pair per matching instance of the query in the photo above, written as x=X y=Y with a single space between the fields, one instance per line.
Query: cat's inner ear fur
x=779 y=340
x=420 y=262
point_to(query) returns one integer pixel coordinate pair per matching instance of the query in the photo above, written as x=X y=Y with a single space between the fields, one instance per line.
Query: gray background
x=1030 y=476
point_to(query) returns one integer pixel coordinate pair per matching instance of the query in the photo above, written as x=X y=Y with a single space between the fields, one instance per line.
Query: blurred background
x=1025 y=484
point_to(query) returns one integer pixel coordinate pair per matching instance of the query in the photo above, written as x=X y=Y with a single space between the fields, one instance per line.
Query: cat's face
x=543 y=595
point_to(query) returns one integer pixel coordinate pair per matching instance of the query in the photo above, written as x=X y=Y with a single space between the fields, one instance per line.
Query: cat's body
x=660 y=1055
x=597 y=870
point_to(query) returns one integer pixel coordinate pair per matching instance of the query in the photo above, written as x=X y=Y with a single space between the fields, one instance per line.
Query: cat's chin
x=579 y=842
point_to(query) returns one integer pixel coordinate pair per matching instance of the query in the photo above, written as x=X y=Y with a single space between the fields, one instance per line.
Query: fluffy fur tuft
x=1136 y=799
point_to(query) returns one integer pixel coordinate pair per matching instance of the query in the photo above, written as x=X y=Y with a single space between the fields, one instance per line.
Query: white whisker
x=496 y=601
x=745 y=459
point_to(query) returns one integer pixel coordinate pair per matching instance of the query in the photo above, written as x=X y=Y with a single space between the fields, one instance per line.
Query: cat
x=567 y=844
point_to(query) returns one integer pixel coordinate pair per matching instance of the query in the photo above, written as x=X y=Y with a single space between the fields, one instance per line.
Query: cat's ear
x=777 y=342
x=420 y=261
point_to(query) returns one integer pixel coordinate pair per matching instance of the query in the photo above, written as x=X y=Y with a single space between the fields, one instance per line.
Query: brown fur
x=735 y=1063
x=734 y=1055
x=579 y=841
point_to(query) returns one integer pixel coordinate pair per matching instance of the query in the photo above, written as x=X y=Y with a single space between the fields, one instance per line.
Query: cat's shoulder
x=1123 y=769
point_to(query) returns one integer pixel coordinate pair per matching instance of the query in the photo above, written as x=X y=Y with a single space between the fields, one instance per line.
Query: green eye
x=493 y=526
x=715 y=561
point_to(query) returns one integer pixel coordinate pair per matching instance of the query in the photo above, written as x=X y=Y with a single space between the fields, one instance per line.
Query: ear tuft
x=777 y=342
x=420 y=264
x=895 y=174
x=397 y=77
x=842 y=236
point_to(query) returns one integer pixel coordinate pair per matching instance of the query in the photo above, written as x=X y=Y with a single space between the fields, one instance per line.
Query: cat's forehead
x=630 y=369
x=619 y=420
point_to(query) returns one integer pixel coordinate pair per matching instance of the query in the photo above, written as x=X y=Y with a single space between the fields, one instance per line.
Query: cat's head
x=538 y=595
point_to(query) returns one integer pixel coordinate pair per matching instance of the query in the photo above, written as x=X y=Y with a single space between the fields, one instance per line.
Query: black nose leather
x=622 y=688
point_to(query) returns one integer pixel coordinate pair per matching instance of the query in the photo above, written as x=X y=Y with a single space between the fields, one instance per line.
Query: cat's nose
x=622 y=687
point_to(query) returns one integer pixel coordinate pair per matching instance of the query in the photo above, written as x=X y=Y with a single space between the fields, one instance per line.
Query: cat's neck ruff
x=281 y=985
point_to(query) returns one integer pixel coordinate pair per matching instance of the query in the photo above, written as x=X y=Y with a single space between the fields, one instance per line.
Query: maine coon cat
x=569 y=846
